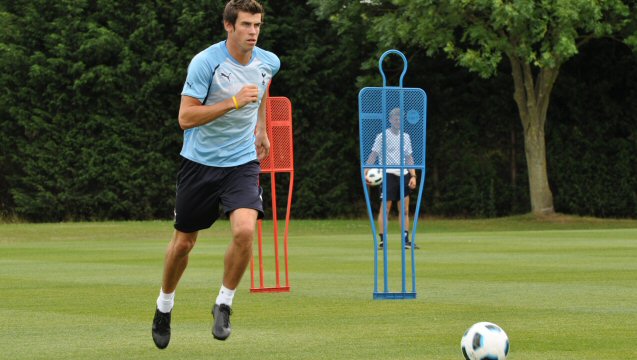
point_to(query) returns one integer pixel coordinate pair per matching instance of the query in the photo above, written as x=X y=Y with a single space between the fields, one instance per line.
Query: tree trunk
x=535 y=150
x=532 y=98
x=513 y=168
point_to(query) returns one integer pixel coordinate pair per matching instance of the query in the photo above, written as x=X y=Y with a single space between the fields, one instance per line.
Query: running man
x=223 y=114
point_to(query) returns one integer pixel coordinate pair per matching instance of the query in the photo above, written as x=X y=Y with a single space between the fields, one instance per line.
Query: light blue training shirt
x=213 y=76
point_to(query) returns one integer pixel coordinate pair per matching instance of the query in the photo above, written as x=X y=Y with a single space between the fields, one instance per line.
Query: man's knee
x=243 y=224
x=243 y=234
x=183 y=242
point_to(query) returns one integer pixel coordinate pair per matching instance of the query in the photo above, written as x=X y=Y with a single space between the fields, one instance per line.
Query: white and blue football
x=374 y=177
x=485 y=341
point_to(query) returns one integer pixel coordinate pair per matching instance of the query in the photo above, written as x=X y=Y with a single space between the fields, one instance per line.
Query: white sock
x=225 y=296
x=165 y=302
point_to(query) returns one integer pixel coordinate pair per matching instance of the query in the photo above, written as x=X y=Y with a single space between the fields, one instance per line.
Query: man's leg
x=176 y=259
x=175 y=263
x=400 y=211
x=239 y=252
x=406 y=234
x=381 y=222
x=238 y=255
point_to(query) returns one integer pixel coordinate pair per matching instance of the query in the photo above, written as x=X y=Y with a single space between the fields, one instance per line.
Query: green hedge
x=91 y=93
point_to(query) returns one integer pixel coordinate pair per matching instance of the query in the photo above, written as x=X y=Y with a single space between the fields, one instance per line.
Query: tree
x=536 y=37
x=318 y=74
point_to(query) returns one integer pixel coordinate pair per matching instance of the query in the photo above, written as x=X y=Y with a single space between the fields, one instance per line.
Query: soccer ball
x=374 y=177
x=485 y=341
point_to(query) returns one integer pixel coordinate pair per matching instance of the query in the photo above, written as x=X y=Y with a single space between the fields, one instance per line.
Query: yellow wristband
x=236 y=104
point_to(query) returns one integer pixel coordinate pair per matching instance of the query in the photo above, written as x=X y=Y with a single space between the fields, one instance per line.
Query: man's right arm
x=193 y=113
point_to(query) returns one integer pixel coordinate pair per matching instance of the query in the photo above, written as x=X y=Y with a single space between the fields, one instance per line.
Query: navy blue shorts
x=201 y=189
x=393 y=187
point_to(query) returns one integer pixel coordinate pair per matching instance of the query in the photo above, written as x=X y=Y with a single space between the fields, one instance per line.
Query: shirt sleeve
x=199 y=78
x=272 y=61
x=408 y=149
x=276 y=65
x=378 y=143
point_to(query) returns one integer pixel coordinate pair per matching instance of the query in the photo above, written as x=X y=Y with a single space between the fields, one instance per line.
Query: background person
x=392 y=136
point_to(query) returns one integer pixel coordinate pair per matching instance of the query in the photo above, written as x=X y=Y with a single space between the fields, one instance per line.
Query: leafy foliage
x=92 y=92
x=90 y=95
x=536 y=38
x=595 y=142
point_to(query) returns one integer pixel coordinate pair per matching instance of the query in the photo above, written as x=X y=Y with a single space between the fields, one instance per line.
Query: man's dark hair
x=233 y=7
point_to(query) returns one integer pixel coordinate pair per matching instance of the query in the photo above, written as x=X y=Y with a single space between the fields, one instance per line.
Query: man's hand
x=263 y=145
x=412 y=182
x=365 y=176
x=248 y=94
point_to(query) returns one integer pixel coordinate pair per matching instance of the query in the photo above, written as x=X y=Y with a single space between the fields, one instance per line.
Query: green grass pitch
x=562 y=288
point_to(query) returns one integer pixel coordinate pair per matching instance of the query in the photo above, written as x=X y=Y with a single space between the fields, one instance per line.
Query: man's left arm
x=412 y=181
x=262 y=142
